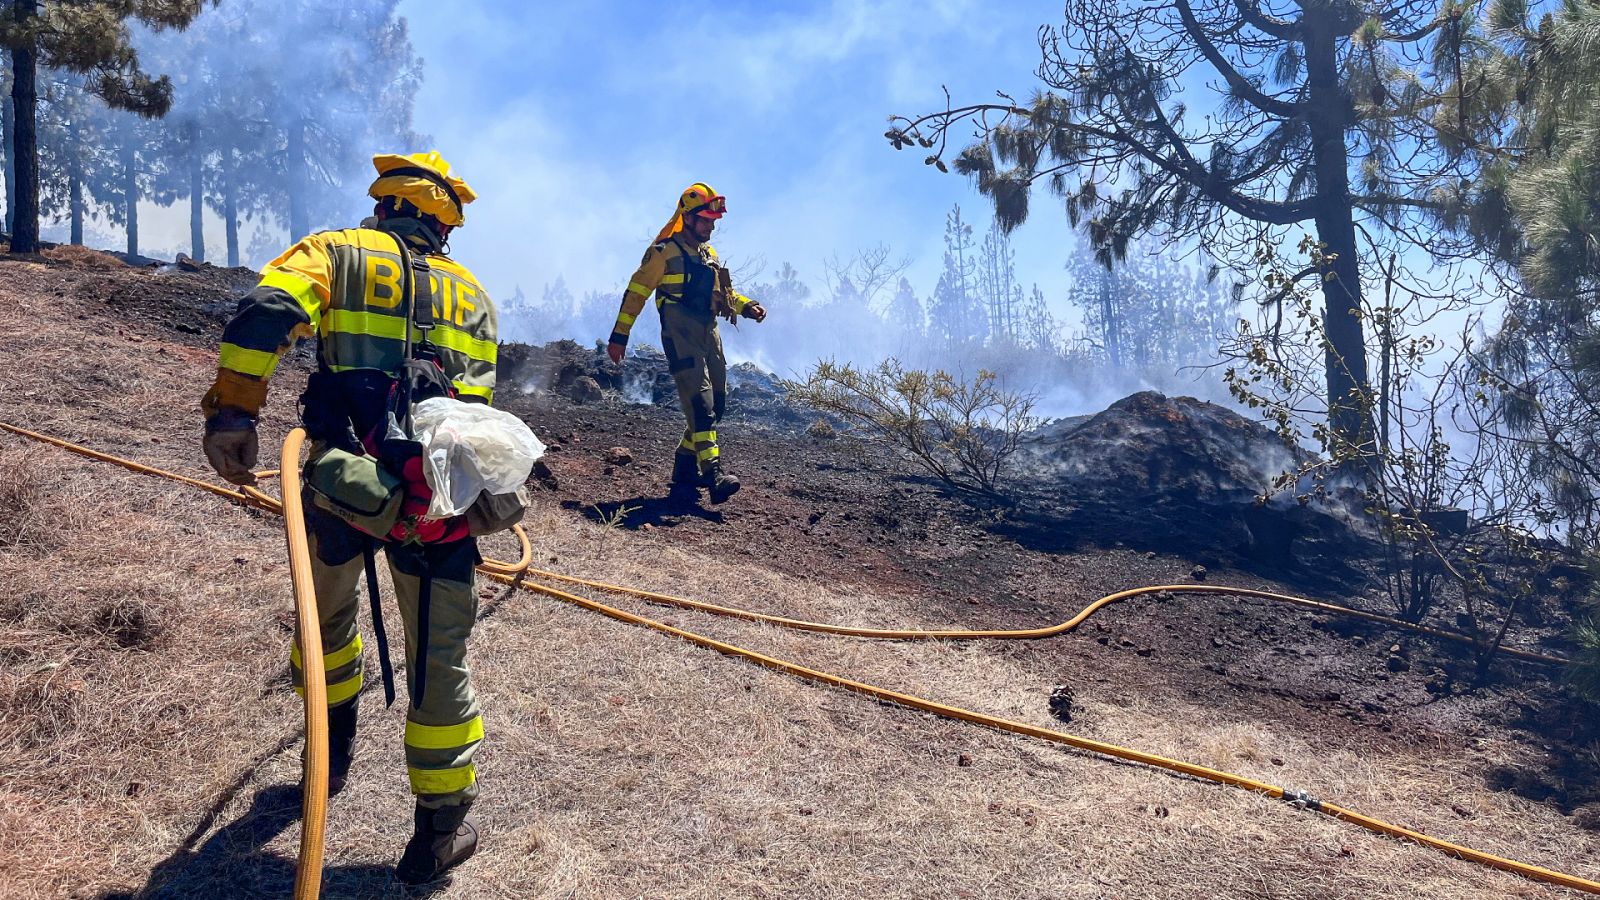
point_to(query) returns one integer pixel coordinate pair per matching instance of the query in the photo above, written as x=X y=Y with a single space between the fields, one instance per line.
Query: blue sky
x=579 y=123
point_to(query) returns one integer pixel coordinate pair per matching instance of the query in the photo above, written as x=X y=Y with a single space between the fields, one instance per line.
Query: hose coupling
x=1302 y=800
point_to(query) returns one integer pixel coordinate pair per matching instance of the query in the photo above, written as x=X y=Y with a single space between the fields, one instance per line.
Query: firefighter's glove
x=615 y=352
x=755 y=311
x=231 y=446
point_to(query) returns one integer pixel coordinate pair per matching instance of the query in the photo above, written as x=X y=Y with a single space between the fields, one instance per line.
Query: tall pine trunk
x=75 y=180
x=230 y=209
x=969 y=328
x=1113 y=322
x=197 y=196
x=8 y=121
x=1331 y=112
x=24 y=137
x=299 y=219
x=130 y=194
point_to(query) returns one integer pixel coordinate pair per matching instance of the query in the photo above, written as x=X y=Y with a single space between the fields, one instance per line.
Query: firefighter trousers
x=694 y=357
x=438 y=603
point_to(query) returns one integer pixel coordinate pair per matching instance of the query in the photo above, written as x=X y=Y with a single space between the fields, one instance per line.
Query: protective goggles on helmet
x=713 y=208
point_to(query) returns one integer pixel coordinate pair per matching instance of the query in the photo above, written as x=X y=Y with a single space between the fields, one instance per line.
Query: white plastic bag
x=471 y=447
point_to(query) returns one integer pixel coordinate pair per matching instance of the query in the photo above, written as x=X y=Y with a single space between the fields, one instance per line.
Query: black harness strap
x=369 y=556
x=421 y=293
x=415 y=282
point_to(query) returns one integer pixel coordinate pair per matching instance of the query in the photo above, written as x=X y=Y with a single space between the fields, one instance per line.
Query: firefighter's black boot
x=718 y=483
x=443 y=839
x=341 y=745
x=685 y=475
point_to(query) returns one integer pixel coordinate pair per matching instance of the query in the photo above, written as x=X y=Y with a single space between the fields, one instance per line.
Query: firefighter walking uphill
x=396 y=320
x=693 y=289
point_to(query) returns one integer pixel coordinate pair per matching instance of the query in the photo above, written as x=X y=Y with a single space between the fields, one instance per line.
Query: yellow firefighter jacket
x=346 y=287
x=664 y=271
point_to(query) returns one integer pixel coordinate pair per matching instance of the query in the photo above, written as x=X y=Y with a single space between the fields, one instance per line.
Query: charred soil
x=819 y=503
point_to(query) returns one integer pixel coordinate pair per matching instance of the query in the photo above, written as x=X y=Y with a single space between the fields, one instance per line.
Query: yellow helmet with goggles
x=698 y=199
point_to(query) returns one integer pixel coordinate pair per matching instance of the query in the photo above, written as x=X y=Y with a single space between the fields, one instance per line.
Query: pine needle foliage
x=90 y=39
x=1344 y=116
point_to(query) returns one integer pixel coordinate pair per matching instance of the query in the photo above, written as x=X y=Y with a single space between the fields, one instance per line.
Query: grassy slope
x=142 y=627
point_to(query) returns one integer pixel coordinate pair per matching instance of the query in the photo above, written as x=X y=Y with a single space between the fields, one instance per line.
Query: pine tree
x=1538 y=209
x=1149 y=310
x=557 y=309
x=906 y=312
x=7 y=158
x=185 y=155
x=1321 y=117
x=787 y=291
x=1038 y=324
x=1098 y=291
x=997 y=283
x=87 y=38
x=1551 y=187
x=129 y=169
x=72 y=155
x=354 y=94
x=241 y=185
x=231 y=104
x=956 y=313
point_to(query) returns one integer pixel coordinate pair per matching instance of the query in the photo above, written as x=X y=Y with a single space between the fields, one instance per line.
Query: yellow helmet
x=698 y=199
x=425 y=181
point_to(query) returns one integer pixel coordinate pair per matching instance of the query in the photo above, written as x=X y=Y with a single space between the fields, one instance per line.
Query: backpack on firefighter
x=369 y=472
x=367 y=467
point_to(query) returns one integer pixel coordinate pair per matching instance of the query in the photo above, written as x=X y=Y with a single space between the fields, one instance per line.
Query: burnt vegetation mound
x=1180 y=475
x=1151 y=472
x=585 y=376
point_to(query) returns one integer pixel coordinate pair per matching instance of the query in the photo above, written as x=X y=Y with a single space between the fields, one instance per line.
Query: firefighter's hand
x=615 y=351
x=231 y=447
x=756 y=311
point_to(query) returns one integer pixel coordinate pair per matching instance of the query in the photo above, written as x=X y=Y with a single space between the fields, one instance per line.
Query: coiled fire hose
x=513 y=575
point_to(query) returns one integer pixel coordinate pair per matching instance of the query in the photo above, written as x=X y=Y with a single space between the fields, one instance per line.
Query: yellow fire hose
x=912 y=701
x=314 y=775
x=306 y=886
x=1029 y=633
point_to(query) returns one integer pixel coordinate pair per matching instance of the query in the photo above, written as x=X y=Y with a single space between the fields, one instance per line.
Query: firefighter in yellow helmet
x=378 y=300
x=692 y=290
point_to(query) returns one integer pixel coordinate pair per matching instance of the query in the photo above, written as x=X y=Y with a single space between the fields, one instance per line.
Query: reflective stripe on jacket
x=662 y=272
x=346 y=287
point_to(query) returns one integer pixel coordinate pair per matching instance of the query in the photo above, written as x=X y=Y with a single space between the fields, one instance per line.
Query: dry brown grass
x=132 y=676
x=82 y=257
x=892 y=780
x=147 y=730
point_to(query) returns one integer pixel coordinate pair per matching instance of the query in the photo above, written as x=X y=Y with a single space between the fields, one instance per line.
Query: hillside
x=150 y=736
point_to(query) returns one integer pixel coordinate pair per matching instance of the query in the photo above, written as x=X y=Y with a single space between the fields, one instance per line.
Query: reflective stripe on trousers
x=444 y=728
x=694 y=356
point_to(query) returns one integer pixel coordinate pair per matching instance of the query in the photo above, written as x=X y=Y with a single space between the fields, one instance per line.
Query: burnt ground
x=815 y=503
x=818 y=505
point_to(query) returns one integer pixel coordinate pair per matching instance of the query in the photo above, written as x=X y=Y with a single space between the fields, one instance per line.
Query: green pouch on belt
x=496 y=512
x=356 y=489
